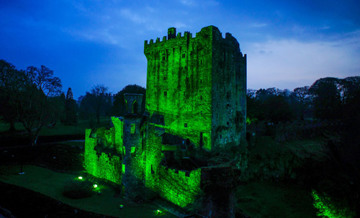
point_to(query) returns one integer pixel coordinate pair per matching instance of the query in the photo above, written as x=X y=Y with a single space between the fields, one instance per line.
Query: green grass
x=269 y=159
x=52 y=184
x=78 y=129
x=266 y=199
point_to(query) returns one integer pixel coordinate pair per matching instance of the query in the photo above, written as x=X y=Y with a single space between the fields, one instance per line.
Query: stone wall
x=179 y=84
x=102 y=165
x=179 y=187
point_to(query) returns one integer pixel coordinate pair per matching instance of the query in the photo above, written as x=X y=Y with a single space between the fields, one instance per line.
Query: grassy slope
x=270 y=161
x=266 y=199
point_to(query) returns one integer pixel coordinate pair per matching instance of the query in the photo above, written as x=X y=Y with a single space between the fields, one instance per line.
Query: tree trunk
x=12 y=126
x=33 y=136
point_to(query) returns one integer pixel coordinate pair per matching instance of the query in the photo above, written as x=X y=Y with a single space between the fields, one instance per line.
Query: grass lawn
x=265 y=199
x=51 y=184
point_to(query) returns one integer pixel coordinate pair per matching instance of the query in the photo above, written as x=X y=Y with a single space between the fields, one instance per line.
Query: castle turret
x=171 y=33
x=133 y=103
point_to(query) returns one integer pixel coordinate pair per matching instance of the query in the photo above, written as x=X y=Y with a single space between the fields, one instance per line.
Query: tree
x=96 y=103
x=37 y=104
x=326 y=98
x=11 y=82
x=300 y=101
x=277 y=109
x=70 y=109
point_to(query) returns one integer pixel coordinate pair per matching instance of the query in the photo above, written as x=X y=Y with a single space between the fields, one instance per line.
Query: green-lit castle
x=195 y=109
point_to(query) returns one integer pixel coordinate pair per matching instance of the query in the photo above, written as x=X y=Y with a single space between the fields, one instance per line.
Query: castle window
x=183 y=55
x=228 y=123
x=165 y=94
x=185 y=124
x=132 y=128
x=123 y=168
x=134 y=108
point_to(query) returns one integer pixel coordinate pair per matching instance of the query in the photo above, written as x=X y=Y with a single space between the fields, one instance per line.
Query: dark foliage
x=269 y=105
x=77 y=189
x=96 y=103
x=30 y=97
x=71 y=108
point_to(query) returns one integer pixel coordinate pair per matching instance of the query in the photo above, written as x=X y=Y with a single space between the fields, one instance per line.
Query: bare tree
x=37 y=103
x=100 y=95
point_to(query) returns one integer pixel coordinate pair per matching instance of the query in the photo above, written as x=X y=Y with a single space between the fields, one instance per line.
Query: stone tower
x=131 y=140
x=196 y=87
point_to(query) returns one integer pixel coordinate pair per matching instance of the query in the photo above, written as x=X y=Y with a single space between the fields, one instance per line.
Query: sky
x=288 y=43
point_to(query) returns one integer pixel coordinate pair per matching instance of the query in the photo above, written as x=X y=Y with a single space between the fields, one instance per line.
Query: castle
x=195 y=105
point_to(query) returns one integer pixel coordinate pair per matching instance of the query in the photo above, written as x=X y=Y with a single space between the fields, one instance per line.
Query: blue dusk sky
x=289 y=43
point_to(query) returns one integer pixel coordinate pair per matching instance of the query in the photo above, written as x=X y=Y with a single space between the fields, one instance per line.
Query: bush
x=77 y=189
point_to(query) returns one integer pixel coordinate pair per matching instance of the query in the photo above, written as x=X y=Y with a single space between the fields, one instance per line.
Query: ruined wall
x=118 y=123
x=153 y=155
x=101 y=165
x=179 y=187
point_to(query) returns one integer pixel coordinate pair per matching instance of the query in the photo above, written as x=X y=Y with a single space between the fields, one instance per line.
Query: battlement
x=170 y=36
x=182 y=174
x=203 y=33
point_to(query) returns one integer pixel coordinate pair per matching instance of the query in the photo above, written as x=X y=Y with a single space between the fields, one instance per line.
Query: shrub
x=77 y=189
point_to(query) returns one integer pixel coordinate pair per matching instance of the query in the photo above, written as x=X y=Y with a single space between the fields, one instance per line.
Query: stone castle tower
x=195 y=105
x=196 y=87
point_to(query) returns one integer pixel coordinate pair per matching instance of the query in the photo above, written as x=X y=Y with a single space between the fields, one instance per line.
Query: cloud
x=132 y=16
x=258 y=25
x=188 y=2
x=292 y=63
x=194 y=3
